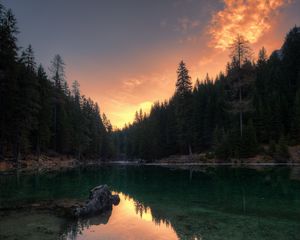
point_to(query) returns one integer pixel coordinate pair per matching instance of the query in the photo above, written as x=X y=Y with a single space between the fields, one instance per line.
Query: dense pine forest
x=40 y=113
x=252 y=108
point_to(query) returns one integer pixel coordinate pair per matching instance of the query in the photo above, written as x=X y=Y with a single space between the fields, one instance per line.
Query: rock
x=115 y=200
x=100 y=200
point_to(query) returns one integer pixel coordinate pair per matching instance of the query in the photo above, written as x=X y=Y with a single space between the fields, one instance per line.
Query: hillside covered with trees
x=254 y=107
x=40 y=113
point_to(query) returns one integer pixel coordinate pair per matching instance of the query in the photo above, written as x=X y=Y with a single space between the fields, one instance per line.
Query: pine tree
x=282 y=152
x=240 y=55
x=76 y=92
x=183 y=108
x=249 y=145
x=57 y=70
x=107 y=123
x=221 y=144
x=262 y=56
x=260 y=95
x=291 y=58
x=184 y=83
x=27 y=103
x=8 y=76
x=43 y=131
x=27 y=58
x=8 y=39
x=296 y=120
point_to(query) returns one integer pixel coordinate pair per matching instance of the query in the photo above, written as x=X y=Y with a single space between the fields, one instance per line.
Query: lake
x=168 y=203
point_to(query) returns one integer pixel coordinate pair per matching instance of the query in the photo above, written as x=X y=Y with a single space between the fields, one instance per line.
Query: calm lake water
x=204 y=203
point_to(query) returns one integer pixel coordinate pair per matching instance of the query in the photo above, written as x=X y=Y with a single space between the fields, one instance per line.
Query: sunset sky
x=125 y=53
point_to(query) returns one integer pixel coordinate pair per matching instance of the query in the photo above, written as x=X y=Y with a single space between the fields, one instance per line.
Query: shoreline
x=61 y=166
x=204 y=164
x=46 y=163
x=56 y=162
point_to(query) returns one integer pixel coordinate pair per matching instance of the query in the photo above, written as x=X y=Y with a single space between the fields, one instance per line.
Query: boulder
x=100 y=200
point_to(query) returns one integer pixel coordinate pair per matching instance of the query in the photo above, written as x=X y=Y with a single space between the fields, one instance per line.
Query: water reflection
x=162 y=203
x=129 y=220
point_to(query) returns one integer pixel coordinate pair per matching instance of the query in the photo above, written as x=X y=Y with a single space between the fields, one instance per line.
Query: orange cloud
x=250 y=18
x=132 y=83
x=150 y=75
x=136 y=93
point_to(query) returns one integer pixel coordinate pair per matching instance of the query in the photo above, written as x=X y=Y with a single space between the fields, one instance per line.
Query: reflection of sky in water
x=211 y=203
x=129 y=220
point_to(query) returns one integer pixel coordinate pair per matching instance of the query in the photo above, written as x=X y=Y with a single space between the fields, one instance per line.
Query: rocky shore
x=61 y=162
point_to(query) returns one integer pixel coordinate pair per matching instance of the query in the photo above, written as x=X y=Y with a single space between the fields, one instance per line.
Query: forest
x=41 y=113
x=253 y=107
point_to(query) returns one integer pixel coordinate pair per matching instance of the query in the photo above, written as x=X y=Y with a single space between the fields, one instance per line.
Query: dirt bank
x=41 y=163
x=55 y=163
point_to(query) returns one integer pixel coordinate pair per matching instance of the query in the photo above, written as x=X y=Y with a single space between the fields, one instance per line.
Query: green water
x=160 y=203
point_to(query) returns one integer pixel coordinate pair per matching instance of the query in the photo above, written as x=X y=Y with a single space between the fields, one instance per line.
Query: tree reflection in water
x=186 y=203
x=129 y=220
x=78 y=227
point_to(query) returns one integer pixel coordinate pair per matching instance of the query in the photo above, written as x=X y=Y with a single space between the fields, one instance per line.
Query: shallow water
x=160 y=203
